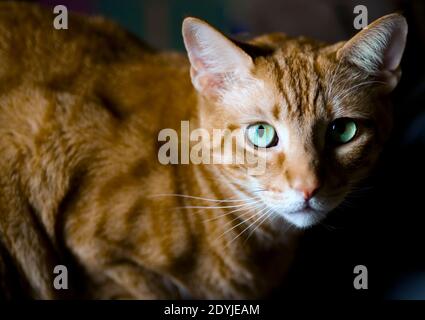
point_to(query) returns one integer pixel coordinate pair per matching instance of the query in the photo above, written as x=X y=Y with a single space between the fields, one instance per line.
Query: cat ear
x=378 y=48
x=214 y=58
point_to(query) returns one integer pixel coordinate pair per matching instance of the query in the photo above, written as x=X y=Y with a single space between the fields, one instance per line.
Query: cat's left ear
x=378 y=48
x=215 y=59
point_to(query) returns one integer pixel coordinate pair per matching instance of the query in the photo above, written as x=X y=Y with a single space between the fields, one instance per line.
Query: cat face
x=315 y=114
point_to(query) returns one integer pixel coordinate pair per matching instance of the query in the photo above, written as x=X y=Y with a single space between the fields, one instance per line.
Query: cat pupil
x=340 y=128
x=261 y=131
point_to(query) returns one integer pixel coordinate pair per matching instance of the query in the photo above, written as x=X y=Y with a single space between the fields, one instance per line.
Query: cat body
x=81 y=184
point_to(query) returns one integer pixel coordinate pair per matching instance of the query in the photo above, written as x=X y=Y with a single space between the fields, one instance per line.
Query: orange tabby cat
x=81 y=183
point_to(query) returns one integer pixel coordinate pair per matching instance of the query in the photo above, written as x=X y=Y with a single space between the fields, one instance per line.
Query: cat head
x=316 y=113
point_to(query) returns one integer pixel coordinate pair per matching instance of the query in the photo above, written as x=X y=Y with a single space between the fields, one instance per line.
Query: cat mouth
x=307 y=210
x=304 y=218
x=302 y=214
x=306 y=207
x=304 y=210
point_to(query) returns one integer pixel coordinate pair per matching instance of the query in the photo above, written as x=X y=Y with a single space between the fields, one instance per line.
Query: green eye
x=262 y=135
x=343 y=130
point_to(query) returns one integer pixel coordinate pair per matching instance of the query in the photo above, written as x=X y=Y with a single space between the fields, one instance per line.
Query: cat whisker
x=361 y=190
x=232 y=180
x=235 y=183
x=253 y=223
x=328 y=226
x=197 y=198
x=238 y=224
x=241 y=216
x=247 y=205
x=216 y=207
x=259 y=190
x=346 y=204
x=266 y=216
x=252 y=205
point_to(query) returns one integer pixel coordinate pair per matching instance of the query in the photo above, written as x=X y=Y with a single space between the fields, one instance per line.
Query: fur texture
x=81 y=185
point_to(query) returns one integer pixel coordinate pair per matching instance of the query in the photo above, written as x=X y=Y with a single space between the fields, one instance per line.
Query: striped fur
x=81 y=185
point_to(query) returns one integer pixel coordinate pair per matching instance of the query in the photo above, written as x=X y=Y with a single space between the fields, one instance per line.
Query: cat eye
x=262 y=135
x=342 y=130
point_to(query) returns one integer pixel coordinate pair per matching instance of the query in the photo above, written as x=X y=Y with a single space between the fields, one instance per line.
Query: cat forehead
x=294 y=58
x=293 y=83
x=296 y=79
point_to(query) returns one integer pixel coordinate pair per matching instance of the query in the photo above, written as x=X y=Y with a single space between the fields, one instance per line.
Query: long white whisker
x=197 y=198
x=243 y=221
x=241 y=216
x=249 y=205
x=266 y=216
x=243 y=231
x=217 y=207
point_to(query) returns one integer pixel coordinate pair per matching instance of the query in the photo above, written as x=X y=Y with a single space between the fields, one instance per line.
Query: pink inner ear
x=211 y=82
x=208 y=83
x=394 y=52
x=198 y=64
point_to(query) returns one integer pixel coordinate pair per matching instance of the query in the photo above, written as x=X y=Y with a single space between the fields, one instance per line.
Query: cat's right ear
x=378 y=48
x=215 y=59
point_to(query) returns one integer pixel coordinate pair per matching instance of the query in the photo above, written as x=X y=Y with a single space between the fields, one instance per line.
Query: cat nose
x=307 y=188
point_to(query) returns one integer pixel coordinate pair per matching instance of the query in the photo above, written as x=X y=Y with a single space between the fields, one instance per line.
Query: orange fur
x=80 y=112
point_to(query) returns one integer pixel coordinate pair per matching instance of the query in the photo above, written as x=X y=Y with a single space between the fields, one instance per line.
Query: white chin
x=303 y=219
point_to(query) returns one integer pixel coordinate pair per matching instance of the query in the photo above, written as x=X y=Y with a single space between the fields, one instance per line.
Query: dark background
x=382 y=226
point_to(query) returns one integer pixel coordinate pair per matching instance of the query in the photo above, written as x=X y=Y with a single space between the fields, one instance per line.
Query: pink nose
x=307 y=189
x=308 y=193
